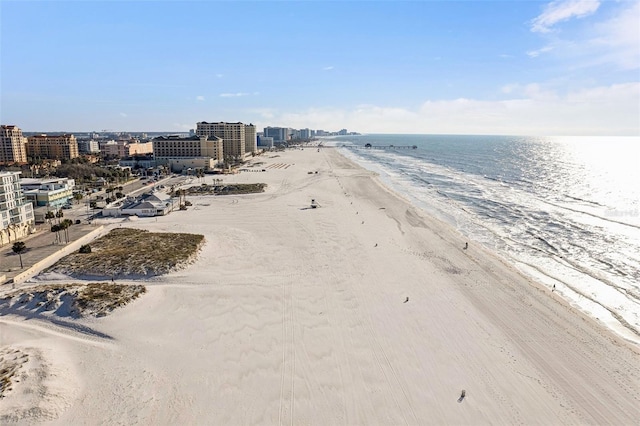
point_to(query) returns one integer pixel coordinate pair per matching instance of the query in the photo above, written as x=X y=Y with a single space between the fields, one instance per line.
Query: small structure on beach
x=314 y=204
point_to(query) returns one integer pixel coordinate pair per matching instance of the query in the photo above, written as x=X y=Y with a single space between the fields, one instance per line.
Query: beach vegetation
x=230 y=189
x=72 y=299
x=133 y=253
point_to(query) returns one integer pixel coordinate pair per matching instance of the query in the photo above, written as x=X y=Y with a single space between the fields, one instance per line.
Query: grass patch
x=132 y=252
x=73 y=299
x=231 y=189
x=105 y=297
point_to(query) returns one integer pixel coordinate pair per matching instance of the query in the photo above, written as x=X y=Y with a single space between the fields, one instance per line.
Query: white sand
x=293 y=315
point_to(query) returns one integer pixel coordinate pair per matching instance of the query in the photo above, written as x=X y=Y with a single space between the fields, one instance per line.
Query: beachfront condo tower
x=12 y=145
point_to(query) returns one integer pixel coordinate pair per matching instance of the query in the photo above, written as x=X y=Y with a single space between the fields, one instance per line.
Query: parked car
x=67 y=207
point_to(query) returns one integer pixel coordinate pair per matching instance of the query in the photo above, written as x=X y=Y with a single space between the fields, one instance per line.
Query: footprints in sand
x=33 y=389
x=11 y=360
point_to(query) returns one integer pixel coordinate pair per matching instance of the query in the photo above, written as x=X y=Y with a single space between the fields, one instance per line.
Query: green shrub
x=85 y=248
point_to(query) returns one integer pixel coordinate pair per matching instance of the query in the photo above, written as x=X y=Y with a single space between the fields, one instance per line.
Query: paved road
x=39 y=246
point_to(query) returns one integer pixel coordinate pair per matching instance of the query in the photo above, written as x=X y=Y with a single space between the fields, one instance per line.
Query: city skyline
x=529 y=68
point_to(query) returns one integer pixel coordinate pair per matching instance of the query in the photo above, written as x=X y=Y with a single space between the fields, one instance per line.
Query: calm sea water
x=565 y=210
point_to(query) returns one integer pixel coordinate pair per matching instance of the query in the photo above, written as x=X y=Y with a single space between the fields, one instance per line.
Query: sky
x=564 y=67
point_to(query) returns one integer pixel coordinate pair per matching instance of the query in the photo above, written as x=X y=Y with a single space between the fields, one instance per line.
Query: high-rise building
x=54 y=147
x=233 y=136
x=12 y=145
x=304 y=133
x=16 y=213
x=250 y=137
x=279 y=134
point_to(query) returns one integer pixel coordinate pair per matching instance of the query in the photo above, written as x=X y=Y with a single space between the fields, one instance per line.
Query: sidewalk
x=39 y=246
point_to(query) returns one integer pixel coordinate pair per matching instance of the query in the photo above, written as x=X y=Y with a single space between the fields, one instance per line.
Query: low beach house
x=155 y=204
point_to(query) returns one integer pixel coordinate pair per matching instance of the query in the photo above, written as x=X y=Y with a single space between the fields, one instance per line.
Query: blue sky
x=566 y=67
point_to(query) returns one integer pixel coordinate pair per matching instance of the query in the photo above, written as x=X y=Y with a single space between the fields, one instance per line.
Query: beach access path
x=361 y=311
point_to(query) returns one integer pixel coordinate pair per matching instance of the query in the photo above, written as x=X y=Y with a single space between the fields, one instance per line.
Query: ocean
x=564 y=210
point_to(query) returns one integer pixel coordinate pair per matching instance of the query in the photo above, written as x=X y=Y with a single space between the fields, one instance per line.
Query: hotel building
x=198 y=152
x=12 y=145
x=54 y=147
x=16 y=213
x=234 y=136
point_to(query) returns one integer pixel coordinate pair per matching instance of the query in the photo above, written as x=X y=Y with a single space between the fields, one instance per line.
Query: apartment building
x=199 y=152
x=16 y=213
x=12 y=145
x=55 y=147
x=279 y=134
x=233 y=135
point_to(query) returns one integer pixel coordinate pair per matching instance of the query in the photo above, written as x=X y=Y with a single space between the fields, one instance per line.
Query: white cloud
x=563 y=10
x=329 y=68
x=530 y=110
x=618 y=37
x=536 y=53
x=610 y=41
x=200 y=98
x=233 y=95
x=219 y=75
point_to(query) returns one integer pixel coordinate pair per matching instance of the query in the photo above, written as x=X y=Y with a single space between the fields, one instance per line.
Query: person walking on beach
x=466 y=246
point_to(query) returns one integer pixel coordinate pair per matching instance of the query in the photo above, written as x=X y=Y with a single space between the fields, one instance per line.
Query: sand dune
x=293 y=315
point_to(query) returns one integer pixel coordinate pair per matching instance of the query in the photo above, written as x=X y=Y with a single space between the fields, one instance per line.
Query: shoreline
x=574 y=293
x=360 y=311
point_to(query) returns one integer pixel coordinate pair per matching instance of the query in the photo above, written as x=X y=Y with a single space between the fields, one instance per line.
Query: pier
x=369 y=146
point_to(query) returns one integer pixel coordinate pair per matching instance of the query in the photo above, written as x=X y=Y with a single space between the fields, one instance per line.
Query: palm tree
x=59 y=215
x=56 y=229
x=50 y=215
x=64 y=226
x=18 y=248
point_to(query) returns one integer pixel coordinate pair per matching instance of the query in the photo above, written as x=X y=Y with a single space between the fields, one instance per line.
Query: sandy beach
x=361 y=311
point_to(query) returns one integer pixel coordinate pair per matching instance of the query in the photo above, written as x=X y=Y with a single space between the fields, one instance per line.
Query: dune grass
x=71 y=299
x=128 y=252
